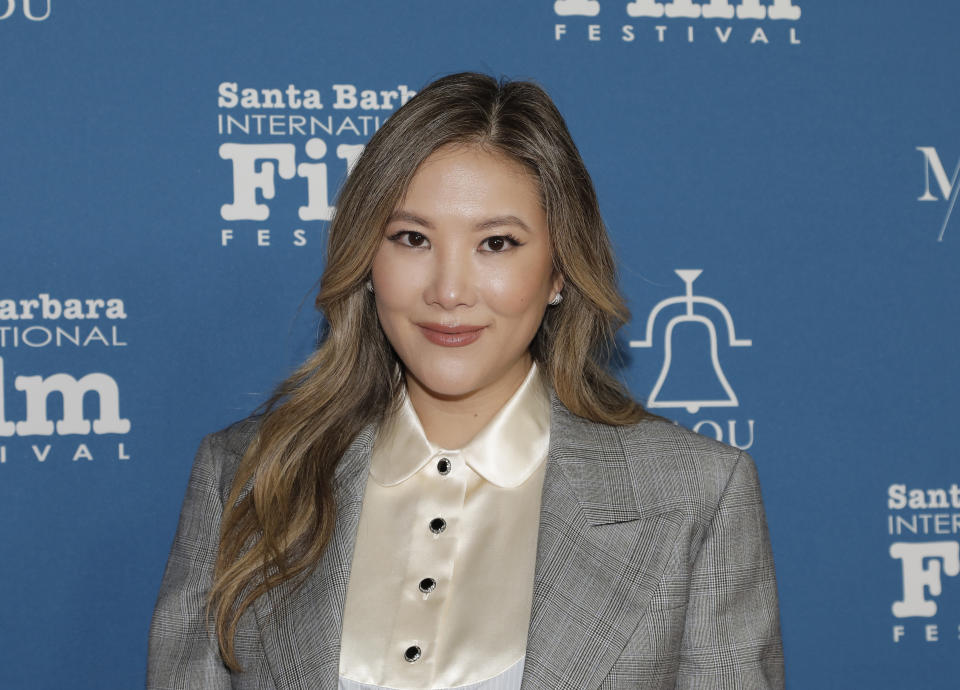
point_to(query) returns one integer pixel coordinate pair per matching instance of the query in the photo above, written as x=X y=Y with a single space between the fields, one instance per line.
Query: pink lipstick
x=450 y=336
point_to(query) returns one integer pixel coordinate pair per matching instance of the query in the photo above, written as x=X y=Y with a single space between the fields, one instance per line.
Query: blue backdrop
x=785 y=169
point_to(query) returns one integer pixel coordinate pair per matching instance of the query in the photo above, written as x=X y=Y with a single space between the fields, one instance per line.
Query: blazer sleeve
x=731 y=636
x=183 y=652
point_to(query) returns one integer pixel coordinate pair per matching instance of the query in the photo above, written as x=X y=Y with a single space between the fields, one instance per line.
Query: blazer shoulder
x=235 y=438
x=672 y=441
x=220 y=452
x=672 y=467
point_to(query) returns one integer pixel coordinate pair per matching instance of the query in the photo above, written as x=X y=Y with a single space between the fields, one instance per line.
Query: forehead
x=469 y=174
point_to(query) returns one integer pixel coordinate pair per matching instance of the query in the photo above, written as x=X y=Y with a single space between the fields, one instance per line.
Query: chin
x=451 y=383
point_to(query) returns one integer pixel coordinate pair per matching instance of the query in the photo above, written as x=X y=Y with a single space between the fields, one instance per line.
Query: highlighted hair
x=281 y=510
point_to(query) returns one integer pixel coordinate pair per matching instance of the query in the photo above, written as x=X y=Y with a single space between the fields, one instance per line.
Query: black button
x=412 y=653
x=427 y=585
x=443 y=466
x=437 y=525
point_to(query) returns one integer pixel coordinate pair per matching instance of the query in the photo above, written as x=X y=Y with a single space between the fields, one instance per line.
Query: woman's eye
x=493 y=245
x=410 y=238
x=500 y=243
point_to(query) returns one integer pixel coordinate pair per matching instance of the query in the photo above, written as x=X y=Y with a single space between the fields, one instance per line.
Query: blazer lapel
x=300 y=627
x=599 y=557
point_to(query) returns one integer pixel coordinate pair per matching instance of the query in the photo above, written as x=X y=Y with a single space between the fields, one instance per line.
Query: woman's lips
x=456 y=336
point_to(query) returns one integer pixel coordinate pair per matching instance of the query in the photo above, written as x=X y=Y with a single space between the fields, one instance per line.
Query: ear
x=557 y=283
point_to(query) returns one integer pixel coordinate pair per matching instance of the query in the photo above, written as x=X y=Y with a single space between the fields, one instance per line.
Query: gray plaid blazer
x=653 y=570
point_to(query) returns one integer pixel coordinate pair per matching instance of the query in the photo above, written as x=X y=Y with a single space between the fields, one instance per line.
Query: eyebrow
x=409 y=218
x=489 y=223
x=497 y=221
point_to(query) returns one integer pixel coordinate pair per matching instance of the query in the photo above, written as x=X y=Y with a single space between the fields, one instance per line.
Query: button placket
x=432 y=549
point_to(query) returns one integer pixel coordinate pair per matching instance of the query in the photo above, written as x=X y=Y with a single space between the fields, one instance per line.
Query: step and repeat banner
x=779 y=178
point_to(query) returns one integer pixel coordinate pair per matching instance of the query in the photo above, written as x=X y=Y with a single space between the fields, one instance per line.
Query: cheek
x=517 y=290
x=394 y=322
x=392 y=287
x=383 y=270
x=395 y=279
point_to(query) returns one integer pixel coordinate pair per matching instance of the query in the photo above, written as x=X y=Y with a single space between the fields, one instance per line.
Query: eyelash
x=511 y=240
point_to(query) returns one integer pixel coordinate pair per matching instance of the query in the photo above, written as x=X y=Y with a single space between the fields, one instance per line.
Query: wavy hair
x=281 y=509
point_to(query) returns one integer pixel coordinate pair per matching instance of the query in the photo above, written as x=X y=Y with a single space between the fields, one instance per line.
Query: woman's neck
x=451 y=421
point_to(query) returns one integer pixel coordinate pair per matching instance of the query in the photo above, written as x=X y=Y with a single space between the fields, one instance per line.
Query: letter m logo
x=947 y=186
x=73 y=391
x=932 y=164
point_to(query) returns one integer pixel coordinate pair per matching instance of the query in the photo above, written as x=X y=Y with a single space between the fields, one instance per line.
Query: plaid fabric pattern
x=653 y=570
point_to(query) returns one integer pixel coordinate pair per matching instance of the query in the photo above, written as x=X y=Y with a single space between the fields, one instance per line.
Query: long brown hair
x=281 y=509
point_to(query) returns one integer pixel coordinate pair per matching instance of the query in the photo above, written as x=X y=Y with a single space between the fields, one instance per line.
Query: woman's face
x=464 y=273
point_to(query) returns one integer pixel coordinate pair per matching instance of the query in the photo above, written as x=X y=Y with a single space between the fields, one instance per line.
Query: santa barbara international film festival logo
x=678 y=22
x=688 y=331
x=59 y=416
x=927 y=567
x=938 y=188
x=297 y=140
x=32 y=10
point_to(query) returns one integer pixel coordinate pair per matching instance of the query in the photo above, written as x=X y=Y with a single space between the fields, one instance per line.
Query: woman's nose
x=451 y=284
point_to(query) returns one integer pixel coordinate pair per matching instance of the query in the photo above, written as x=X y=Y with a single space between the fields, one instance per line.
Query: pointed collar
x=505 y=452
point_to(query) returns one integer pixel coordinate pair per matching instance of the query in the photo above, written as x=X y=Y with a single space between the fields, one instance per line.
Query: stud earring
x=557 y=299
x=370 y=285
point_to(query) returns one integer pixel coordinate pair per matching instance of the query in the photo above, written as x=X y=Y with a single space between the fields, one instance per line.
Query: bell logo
x=690 y=323
x=947 y=186
x=923 y=563
x=29 y=11
x=38 y=389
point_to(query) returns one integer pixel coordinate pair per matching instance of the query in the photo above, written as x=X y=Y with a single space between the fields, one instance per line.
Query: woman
x=454 y=491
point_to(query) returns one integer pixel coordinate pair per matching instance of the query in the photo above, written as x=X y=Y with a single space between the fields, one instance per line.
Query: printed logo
x=947 y=187
x=28 y=9
x=923 y=565
x=691 y=376
x=331 y=127
x=59 y=404
x=37 y=390
x=714 y=9
x=666 y=29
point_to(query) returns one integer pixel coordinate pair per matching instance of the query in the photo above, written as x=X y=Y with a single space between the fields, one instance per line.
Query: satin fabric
x=472 y=626
x=508 y=680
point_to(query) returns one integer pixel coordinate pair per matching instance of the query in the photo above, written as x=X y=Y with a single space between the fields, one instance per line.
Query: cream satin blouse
x=442 y=577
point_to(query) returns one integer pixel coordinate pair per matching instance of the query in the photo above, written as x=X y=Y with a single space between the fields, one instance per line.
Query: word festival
x=42 y=452
x=927 y=567
x=751 y=10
